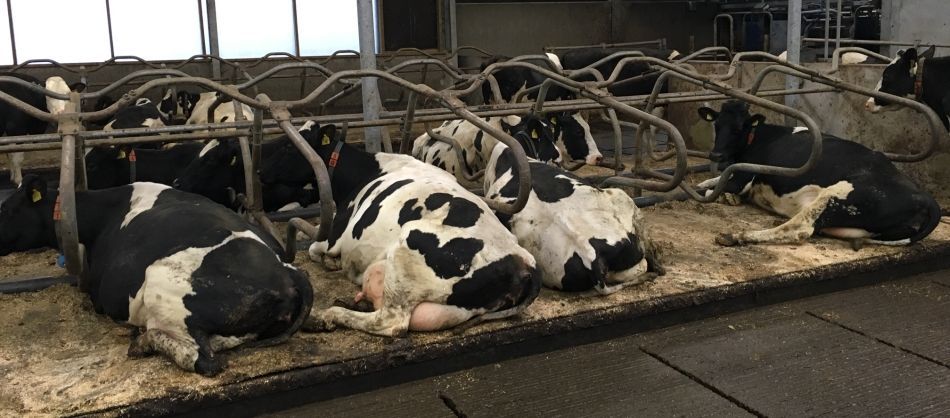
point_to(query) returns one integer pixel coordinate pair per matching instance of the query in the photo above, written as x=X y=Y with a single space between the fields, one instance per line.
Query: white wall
x=912 y=20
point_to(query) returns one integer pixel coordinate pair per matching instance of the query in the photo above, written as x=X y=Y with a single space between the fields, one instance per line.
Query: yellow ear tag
x=121 y=155
x=554 y=121
x=37 y=196
x=755 y=122
x=709 y=117
x=325 y=141
x=234 y=160
x=534 y=134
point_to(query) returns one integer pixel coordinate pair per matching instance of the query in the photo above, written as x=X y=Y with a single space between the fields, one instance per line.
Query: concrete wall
x=913 y=20
x=525 y=28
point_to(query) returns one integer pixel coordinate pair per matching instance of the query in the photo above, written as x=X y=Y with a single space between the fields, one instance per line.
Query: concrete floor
x=874 y=351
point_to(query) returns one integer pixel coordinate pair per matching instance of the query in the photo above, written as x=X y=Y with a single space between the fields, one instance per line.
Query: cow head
x=103 y=102
x=103 y=167
x=26 y=220
x=186 y=103
x=732 y=123
x=573 y=133
x=288 y=166
x=168 y=107
x=535 y=137
x=899 y=78
x=216 y=173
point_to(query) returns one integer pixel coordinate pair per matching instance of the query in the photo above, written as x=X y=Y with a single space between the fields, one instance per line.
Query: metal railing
x=71 y=138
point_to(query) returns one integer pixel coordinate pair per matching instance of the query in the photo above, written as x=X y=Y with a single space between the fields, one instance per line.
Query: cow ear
x=929 y=53
x=707 y=114
x=755 y=120
x=327 y=134
x=35 y=187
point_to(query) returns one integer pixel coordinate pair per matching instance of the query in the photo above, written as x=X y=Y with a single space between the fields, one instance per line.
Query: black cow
x=428 y=253
x=194 y=275
x=922 y=78
x=512 y=80
x=14 y=122
x=112 y=166
x=218 y=173
x=851 y=193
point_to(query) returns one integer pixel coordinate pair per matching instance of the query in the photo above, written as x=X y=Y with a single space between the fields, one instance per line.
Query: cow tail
x=305 y=293
x=931 y=221
x=529 y=283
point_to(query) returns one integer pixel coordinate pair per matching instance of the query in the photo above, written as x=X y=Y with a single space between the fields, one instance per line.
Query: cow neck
x=353 y=170
x=765 y=133
x=92 y=213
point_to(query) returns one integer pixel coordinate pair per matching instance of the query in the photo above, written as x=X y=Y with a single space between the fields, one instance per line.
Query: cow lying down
x=583 y=238
x=570 y=129
x=852 y=193
x=429 y=254
x=192 y=275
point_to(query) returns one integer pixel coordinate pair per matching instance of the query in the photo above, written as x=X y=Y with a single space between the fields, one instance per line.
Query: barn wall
x=913 y=20
x=525 y=28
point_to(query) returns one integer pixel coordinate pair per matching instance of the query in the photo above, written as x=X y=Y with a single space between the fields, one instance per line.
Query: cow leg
x=16 y=167
x=183 y=353
x=798 y=228
x=329 y=258
x=387 y=322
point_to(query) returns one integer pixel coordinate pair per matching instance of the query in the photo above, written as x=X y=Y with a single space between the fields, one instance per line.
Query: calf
x=922 y=78
x=115 y=166
x=571 y=129
x=14 y=122
x=429 y=254
x=218 y=173
x=851 y=193
x=194 y=275
x=582 y=237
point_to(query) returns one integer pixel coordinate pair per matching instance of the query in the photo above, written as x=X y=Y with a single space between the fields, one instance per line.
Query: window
x=252 y=28
x=6 y=50
x=320 y=35
x=61 y=30
x=172 y=31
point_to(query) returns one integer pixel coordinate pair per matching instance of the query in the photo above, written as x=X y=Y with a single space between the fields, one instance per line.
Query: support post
x=213 y=38
x=794 y=50
x=371 y=101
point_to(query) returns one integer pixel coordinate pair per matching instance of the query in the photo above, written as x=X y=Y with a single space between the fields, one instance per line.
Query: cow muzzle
x=595 y=159
x=872 y=106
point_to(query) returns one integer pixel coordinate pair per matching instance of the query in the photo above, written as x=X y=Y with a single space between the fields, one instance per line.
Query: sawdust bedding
x=58 y=357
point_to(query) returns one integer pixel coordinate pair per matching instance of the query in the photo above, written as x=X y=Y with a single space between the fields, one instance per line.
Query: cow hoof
x=332 y=263
x=857 y=244
x=208 y=367
x=727 y=240
x=137 y=351
x=318 y=323
x=731 y=199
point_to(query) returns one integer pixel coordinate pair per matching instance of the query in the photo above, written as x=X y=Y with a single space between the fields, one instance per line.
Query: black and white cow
x=113 y=166
x=195 y=276
x=604 y=249
x=919 y=77
x=143 y=114
x=14 y=122
x=429 y=254
x=218 y=172
x=195 y=107
x=851 y=193
x=571 y=130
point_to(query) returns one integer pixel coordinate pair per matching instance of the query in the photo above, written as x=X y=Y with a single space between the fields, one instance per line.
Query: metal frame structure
x=71 y=138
